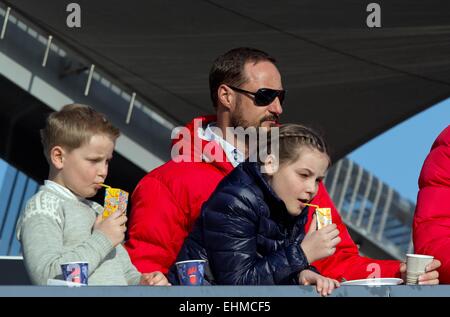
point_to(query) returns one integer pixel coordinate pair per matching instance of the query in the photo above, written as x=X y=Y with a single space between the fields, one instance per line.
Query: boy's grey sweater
x=55 y=228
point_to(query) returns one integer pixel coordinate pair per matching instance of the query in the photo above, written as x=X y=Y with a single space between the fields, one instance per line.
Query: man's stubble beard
x=237 y=119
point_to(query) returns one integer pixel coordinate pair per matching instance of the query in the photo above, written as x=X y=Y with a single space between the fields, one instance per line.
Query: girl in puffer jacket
x=251 y=229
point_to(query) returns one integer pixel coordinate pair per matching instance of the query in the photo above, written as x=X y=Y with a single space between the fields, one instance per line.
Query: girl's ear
x=270 y=165
x=57 y=154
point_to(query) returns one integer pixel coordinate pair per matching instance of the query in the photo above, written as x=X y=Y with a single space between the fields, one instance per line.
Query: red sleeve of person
x=431 y=229
x=346 y=263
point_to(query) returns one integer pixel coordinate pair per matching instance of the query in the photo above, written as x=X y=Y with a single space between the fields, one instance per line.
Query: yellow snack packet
x=323 y=216
x=115 y=199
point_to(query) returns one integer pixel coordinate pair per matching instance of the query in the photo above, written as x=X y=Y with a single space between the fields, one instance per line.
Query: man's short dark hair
x=229 y=68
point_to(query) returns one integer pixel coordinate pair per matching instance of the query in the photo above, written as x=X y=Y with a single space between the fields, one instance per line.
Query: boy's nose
x=102 y=172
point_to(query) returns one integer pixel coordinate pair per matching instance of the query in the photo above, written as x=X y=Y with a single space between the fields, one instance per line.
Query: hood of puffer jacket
x=435 y=169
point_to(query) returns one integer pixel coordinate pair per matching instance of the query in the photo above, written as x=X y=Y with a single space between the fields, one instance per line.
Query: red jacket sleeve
x=346 y=262
x=157 y=227
x=431 y=228
x=165 y=205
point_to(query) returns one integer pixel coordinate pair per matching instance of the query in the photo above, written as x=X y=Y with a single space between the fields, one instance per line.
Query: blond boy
x=59 y=224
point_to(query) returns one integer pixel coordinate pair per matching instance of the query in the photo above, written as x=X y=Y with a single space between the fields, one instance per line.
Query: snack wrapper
x=323 y=216
x=115 y=199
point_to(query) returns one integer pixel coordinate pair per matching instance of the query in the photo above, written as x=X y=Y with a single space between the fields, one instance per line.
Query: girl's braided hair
x=292 y=137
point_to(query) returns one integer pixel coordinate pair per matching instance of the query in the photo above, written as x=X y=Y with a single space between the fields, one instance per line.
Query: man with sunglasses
x=246 y=91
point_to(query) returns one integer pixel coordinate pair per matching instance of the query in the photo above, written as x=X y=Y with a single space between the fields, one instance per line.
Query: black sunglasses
x=263 y=96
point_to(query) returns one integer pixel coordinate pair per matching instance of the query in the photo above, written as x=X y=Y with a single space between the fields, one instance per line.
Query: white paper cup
x=415 y=266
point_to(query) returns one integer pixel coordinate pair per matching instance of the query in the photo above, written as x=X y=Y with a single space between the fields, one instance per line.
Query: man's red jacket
x=168 y=200
x=431 y=228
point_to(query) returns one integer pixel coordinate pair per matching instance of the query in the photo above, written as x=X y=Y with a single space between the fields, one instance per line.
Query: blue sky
x=397 y=155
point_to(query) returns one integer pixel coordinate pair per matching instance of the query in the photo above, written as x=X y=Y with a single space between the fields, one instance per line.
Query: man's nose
x=275 y=106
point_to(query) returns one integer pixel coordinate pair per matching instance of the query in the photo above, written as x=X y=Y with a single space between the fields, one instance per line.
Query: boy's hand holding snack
x=112 y=227
x=113 y=219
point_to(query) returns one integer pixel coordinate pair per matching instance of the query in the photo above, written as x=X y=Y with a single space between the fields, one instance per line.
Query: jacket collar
x=234 y=156
x=190 y=145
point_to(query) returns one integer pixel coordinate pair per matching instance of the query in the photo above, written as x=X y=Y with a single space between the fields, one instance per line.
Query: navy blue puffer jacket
x=246 y=234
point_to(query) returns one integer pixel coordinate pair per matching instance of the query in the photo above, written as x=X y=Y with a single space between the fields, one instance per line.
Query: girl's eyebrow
x=310 y=172
x=305 y=169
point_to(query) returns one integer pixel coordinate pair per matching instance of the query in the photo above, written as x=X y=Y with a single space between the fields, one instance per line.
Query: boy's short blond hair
x=73 y=126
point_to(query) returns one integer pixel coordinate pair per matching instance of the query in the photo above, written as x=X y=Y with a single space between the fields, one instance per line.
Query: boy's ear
x=270 y=165
x=57 y=156
x=225 y=96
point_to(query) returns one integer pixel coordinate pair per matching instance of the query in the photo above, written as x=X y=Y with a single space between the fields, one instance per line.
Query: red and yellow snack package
x=115 y=199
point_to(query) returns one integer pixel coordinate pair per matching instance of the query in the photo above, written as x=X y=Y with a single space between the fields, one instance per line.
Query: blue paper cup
x=76 y=272
x=191 y=272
